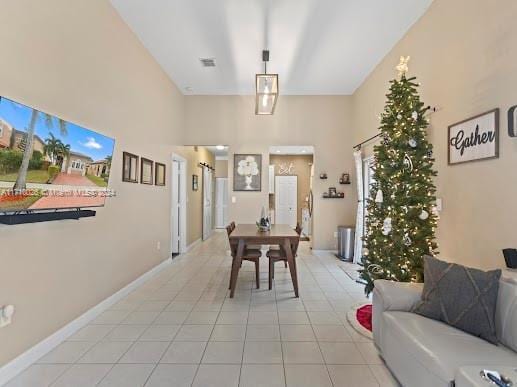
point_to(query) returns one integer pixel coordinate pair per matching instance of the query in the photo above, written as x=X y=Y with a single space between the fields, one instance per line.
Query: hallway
x=181 y=329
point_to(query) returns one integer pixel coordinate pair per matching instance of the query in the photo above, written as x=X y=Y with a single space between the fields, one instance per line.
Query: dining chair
x=250 y=254
x=277 y=253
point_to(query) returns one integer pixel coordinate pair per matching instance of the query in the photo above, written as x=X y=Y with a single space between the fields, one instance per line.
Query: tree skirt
x=360 y=317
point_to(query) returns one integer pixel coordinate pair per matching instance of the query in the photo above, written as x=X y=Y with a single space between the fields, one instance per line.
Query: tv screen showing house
x=49 y=163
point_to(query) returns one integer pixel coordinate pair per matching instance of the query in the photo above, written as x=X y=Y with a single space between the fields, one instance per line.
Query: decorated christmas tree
x=401 y=221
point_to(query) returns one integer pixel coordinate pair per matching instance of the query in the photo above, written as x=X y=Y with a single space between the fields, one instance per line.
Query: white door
x=178 y=206
x=221 y=202
x=286 y=200
x=207 y=203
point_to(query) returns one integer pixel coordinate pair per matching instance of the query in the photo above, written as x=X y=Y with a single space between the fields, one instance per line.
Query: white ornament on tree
x=424 y=215
x=414 y=115
x=408 y=164
x=379 y=198
x=386 y=226
x=412 y=143
x=407 y=240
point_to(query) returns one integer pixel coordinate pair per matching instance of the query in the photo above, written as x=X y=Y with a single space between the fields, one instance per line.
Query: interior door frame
x=179 y=195
x=367 y=181
x=277 y=178
x=217 y=179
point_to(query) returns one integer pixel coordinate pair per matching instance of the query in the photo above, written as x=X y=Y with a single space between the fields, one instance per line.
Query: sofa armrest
x=391 y=295
x=399 y=296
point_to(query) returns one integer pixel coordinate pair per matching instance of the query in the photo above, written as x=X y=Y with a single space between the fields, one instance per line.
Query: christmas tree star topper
x=402 y=67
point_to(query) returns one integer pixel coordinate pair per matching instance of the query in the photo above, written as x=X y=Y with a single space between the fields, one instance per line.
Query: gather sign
x=476 y=138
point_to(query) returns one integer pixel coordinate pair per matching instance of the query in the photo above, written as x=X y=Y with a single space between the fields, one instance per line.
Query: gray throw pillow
x=460 y=296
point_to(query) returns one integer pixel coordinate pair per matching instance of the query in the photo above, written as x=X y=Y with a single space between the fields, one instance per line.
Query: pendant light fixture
x=266 y=89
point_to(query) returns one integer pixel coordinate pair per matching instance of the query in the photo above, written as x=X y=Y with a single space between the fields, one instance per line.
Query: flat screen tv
x=49 y=163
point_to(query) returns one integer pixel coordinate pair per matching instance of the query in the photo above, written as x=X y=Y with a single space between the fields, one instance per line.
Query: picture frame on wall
x=159 y=174
x=474 y=139
x=146 y=171
x=129 y=167
x=247 y=172
x=195 y=183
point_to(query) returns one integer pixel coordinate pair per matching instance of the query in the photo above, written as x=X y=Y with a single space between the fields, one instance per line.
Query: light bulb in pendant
x=264 y=98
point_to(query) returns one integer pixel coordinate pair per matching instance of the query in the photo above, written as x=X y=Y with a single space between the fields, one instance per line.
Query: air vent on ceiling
x=207 y=62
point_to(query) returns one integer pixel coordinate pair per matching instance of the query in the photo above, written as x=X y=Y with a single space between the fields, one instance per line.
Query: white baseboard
x=193 y=244
x=20 y=363
x=321 y=251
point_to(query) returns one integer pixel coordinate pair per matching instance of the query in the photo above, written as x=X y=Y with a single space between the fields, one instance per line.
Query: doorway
x=179 y=205
x=291 y=169
x=221 y=202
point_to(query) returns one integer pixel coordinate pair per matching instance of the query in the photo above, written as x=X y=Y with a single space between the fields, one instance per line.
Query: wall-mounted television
x=49 y=163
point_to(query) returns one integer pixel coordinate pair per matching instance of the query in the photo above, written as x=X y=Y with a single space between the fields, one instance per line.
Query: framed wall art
x=129 y=167
x=512 y=121
x=476 y=138
x=159 y=174
x=146 y=171
x=195 y=183
x=247 y=172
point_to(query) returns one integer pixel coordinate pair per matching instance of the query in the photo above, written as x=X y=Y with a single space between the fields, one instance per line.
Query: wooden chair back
x=233 y=246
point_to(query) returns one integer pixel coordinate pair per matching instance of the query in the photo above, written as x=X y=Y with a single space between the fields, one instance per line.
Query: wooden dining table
x=248 y=234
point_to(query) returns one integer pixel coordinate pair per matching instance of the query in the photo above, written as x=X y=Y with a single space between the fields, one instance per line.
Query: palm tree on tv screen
x=51 y=146
x=21 y=180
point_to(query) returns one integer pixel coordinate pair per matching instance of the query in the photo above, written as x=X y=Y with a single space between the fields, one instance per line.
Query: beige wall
x=194 y=156
x=221 y=168
x=322 y=121
x=302 y=169
x=79 y=61
x=464 y=54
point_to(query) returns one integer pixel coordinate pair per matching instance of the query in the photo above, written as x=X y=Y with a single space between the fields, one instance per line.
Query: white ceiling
x=317 y=46
x=292 y=150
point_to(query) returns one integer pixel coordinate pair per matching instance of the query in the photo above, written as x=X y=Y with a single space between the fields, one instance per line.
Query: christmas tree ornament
x=408 y=164
x=407 y=240
x=386 y=226
x=414 y=116
x=430 y=153
x=402 y=67
x=399 y=116
x=365 y=251
x=379 y=197
x=412 y=143
x=424 y=215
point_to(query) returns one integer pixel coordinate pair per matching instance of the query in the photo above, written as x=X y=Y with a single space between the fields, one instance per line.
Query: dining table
x=282 y=235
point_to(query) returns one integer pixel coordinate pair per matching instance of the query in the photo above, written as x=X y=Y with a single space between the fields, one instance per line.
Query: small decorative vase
x=248 y=182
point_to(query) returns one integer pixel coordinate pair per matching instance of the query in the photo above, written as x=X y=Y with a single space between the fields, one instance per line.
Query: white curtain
x=358 y=156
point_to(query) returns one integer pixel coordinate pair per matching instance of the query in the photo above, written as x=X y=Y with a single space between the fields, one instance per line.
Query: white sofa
x=422 y=352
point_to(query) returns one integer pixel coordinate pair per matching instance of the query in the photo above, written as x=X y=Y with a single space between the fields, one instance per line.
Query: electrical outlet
x=6 y=315
x=158 y=245
x=335 y=234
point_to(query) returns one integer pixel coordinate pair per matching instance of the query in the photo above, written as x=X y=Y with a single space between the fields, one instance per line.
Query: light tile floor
x=181 y=328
